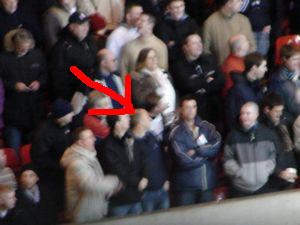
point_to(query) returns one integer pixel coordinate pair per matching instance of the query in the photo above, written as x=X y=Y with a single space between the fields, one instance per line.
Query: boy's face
x=293 y=63
x=28 y=179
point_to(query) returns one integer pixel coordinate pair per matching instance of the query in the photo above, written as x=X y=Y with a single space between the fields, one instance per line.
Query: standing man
x=125 y=32
x=196 y=73
x=121 y=157
x=250 y=154
x=74 y=48
x=146 y=40
x=87 y=189
x=194 y=144
x=222 y=25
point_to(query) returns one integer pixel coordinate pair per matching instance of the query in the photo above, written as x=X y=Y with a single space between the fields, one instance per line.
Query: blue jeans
x=134 y=208
x=192 y=197
x=262 y=42
x=154 y=200
x=13 y=137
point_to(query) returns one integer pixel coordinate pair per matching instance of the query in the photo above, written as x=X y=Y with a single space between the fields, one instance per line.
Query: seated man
x=194 y=144
x=87 y=189
x=250 y=154
x=34 y=200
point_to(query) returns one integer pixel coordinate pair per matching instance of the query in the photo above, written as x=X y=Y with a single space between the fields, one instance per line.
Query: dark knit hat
x=28 y=167
x=78 y=17
x=60 y=108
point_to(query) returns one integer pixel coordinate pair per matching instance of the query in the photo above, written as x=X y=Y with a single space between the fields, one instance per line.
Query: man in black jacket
x=121 y=157
x=198 y=74
x=175 y=26
x=74 y=48
x=49 y=142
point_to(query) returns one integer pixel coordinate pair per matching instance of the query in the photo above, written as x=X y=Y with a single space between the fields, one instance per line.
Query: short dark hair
x=253 y=59
x=151 y=101
x=135 y=118
x=112 y=120
x=271 y=100
x=152 y=19
x=288 y=50
x=131 y=6
x=186 y=98
x=77 y=133
x=220 y=3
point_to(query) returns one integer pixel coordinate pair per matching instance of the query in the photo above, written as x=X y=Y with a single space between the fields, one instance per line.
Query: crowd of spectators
x=212 y=109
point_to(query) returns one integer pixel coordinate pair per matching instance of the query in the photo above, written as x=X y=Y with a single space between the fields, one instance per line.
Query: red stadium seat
x=288 y=39
x=25 y=154
x=11 y=158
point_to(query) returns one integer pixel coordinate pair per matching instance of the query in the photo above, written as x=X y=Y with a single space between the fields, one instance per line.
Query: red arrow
x=126 y=102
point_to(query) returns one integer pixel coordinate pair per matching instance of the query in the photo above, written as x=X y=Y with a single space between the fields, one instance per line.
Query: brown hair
x=253 y=59
x=140 y=62
x=288 y=50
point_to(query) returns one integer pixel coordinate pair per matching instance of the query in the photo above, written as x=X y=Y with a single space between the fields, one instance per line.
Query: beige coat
x=87 y=189
x=111 y=10
x=218 y=29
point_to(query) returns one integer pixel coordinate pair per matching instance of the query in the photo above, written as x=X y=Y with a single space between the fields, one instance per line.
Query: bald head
x=107 y=61
x=239 y=45
x=249 y=113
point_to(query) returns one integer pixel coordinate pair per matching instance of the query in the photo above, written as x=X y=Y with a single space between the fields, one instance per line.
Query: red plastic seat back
x=11 y=158
x=25 y=154
x=288 y=39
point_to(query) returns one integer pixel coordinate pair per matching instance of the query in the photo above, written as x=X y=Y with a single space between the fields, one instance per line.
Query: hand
x=35 y=85
x=166 y=186
x=21 y=87
x=287 y=175
x=171 y=43
x=267 y=29
x=143 y=184
x=209 y=79
x=191 y=152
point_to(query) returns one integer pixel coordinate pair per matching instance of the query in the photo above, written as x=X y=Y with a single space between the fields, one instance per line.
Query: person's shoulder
x=212 y=18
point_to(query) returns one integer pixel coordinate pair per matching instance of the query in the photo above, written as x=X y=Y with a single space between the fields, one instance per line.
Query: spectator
x=34 y=200
x=239 y=48
x=56 y=18
x=148 y=70
x=194 y=144
x=106 y=75
x=155 y=8
x=223 y=24
x=74 y=48
x=123 y=158
x=125 y=32
x=250 y=154
x=246 y=86
x=87 y=189
x=272 y=107
x=175 y=27
x=156 y=193
x=260 y=17
x=9 y=215
x=9 y=18
x=24 y=75
x=111 y=10
x=198 y=74
x=7 y=176
x=285 y=81
x=97 y=123
x=50 y=140
x=145 y=40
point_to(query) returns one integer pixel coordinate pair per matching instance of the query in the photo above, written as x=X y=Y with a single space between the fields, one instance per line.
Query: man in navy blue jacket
x=194 y=144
